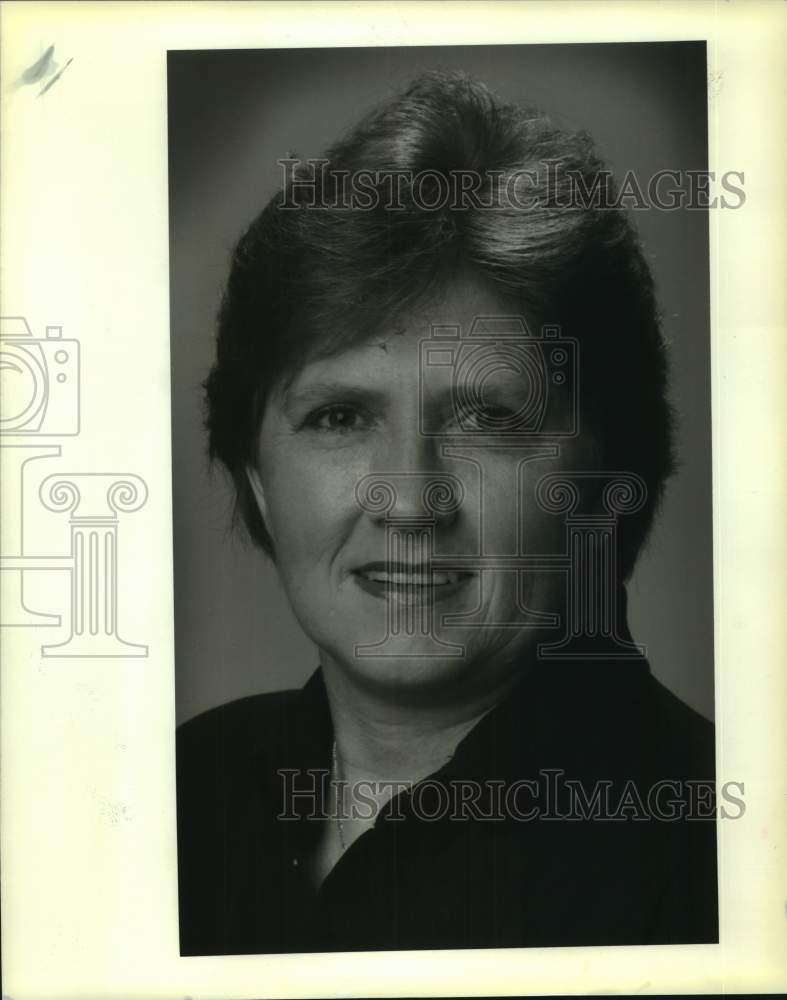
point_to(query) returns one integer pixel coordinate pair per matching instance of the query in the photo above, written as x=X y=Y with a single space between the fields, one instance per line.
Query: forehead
x=467 y=302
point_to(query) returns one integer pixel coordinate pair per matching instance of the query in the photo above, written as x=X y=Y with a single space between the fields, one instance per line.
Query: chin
x=414 y=672
x=414 y=677
x=417 y=664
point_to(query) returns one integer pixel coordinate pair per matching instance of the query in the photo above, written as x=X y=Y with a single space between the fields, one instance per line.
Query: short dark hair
x=297 y=275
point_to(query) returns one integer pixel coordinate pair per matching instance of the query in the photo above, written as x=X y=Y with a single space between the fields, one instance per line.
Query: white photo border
x=89 y=887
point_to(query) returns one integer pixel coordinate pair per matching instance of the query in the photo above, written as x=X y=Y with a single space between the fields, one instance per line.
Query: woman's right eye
x=338 y=418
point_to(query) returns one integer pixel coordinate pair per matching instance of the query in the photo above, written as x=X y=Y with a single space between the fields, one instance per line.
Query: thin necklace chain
x=337 y=781
x=336 y=778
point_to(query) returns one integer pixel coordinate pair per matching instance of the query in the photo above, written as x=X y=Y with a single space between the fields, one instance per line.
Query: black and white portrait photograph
x=448 y=355
x=392 y=435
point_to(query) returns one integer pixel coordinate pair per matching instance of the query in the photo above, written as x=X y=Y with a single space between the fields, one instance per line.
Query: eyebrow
x=332 y=390
x=343 y=392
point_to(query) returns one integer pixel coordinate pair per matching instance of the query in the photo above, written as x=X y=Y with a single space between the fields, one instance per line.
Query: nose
x=410 y=482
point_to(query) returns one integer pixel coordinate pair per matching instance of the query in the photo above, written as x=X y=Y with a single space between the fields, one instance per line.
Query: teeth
x=413 y=579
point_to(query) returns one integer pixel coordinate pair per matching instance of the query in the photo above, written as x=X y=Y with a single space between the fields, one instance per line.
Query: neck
x=380 y=738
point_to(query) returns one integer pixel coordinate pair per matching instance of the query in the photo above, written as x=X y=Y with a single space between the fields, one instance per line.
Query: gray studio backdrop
x=231 y=115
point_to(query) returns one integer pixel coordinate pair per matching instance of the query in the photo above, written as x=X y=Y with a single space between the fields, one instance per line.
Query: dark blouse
x=579 y=811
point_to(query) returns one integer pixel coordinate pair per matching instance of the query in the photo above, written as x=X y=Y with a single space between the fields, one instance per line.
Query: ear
x=253 y=475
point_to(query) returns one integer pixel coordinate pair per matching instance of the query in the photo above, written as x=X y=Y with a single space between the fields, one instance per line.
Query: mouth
x=411 y=583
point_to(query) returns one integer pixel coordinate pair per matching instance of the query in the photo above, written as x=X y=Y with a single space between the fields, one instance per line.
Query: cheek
x=513 y=520
x=310 y=503
x=543 y=533
x=505 y=509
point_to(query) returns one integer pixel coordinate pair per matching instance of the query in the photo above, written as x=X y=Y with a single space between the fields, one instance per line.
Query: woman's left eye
x=484 y=417
x=337 y=418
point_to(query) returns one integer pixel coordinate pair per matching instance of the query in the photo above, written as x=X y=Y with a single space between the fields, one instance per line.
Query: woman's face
x=360 y=577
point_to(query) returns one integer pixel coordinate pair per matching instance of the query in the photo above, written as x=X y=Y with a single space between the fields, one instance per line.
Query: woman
x=438 y=359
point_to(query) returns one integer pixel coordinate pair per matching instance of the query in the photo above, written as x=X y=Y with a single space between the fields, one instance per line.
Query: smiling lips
x=409 y=583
